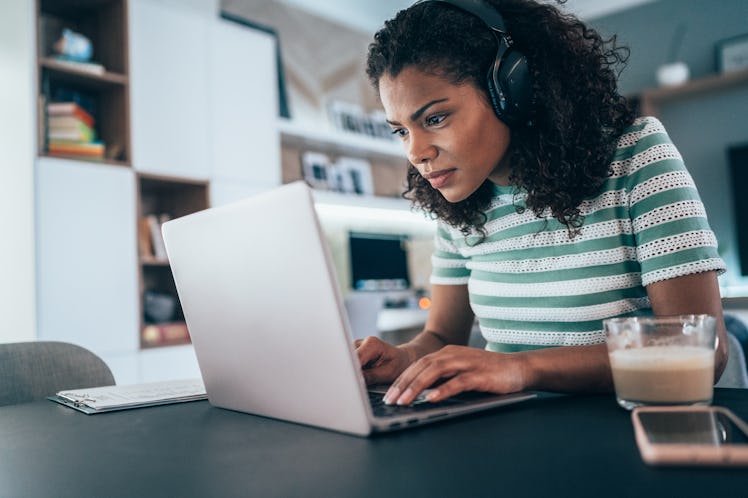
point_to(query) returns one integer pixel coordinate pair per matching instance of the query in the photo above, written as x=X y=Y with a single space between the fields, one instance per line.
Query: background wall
x=17 y=310
x=701 y=127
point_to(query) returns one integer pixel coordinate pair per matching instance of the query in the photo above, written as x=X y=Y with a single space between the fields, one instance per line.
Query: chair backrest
x=31 y=371
x=737 y=328
x=735 y=374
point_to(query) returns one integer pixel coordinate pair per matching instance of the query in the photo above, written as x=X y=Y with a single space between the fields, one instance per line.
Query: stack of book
x=70 y=131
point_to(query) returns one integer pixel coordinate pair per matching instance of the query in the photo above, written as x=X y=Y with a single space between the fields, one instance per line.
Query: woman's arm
x=693 y=294
x=587 y=368
x=449 y=321
x=563 y=369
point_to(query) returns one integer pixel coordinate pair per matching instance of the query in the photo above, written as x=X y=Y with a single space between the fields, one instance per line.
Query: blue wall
x=702 y=127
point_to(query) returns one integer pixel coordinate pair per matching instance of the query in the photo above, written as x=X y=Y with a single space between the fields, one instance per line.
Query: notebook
x=104 y=399
x=264 y=310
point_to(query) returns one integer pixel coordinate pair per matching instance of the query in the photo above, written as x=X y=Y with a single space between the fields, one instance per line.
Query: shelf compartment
x=104 y=23
x=160 y=198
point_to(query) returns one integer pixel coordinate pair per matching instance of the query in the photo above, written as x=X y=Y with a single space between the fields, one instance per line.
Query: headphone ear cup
x=512 y=80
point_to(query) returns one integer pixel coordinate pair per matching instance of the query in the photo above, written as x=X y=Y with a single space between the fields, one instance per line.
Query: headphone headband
x=479 y=9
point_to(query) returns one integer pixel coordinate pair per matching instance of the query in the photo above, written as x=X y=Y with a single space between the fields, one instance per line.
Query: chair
x=735 y=374
x=30 y=371
x=737 y=328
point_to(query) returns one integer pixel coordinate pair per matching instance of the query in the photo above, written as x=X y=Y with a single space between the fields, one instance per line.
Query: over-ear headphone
x=508 y=78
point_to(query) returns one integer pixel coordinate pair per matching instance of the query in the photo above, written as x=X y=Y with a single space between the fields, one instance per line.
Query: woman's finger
x=422 y=375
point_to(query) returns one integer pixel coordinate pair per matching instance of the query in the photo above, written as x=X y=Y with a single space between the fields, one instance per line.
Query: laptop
x=268 y=324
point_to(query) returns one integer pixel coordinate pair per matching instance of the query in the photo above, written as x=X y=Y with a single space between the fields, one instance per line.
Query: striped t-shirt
x=532 y=286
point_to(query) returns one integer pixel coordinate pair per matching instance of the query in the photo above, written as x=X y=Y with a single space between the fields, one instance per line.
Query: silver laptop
x=267 y=321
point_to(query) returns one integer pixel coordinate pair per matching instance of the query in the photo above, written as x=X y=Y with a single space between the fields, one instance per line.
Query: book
x=155 y=334
x=75 y=148
x=110 y=398
x=74 y=134
x=64 y=122
x=70 y=109
x=144 y=239
x=157 y=240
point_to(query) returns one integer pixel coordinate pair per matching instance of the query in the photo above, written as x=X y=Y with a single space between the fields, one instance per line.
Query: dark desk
x=554 y=447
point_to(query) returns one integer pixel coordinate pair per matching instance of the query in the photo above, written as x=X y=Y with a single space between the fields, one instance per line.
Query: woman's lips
x=438 y=179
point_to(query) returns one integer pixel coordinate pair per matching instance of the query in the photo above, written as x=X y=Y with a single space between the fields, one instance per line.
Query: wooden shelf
x=653 y=98
x=69 y=74
x=339 y=142
x=110 y=162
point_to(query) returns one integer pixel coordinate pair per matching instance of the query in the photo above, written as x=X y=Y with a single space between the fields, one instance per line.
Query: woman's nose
x=419 y=150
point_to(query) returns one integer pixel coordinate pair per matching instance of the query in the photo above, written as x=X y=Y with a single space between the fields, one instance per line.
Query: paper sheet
x=109 y=398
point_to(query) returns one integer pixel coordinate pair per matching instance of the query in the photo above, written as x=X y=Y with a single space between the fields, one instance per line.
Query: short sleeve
x=670 y=225
x=448 y=266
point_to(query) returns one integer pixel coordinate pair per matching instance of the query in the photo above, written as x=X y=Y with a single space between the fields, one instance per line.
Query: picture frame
x=732 y=54
x=356 y=177
x=315 y=168
x=346 y=116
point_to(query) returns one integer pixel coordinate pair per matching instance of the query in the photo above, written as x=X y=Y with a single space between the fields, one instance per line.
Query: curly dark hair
x=564 y=157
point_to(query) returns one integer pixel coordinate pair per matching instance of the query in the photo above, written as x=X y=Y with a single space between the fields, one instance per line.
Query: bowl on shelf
x=159 y=307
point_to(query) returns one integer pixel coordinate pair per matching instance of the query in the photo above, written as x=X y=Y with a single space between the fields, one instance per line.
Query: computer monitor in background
x=738 y=158
x=379 y=262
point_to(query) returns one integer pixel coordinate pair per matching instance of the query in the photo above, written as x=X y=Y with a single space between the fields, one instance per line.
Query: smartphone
x=690 y=435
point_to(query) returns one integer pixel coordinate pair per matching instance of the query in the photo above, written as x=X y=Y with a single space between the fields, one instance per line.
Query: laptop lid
x=263 y=311
x=263 y=307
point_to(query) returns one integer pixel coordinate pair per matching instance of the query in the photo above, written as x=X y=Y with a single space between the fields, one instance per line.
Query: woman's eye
x=400 y=132
x=435 y=120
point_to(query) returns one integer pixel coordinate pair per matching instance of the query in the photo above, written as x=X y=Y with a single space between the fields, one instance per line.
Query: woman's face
x=450 y=132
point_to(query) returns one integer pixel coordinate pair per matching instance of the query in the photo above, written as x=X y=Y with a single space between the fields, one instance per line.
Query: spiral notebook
x=111 y=398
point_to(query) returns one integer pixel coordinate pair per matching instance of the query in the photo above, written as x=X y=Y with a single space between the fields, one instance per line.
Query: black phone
x=692 y=435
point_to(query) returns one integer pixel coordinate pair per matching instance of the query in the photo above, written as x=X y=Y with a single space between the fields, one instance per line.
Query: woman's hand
x=463 y=369
x=381 y=362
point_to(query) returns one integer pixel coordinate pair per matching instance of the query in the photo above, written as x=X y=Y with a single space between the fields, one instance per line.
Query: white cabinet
x=176 y=362
x=169 y=97
x=87 y=284
x=227 y=191
x=245 y=143
x=204 y=96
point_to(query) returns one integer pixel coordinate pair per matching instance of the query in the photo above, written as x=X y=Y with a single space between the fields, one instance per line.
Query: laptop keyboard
x=381 y=409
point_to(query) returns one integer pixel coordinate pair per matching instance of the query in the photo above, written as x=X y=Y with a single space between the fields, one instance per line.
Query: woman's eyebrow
x=420 y=111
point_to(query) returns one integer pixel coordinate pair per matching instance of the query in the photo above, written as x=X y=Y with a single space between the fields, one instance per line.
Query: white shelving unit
x=363 y=201
x=197 y=129
x=371 y=211
x=339 y=142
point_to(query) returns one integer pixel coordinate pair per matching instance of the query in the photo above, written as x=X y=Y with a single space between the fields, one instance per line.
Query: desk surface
x=558 y=446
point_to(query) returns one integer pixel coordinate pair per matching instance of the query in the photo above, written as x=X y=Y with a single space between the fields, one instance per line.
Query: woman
x=556 y=208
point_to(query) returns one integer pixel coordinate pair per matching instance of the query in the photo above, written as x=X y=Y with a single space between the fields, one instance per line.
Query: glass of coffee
x=662 y=360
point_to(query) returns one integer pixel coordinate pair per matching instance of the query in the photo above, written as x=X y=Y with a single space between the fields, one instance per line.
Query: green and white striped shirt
x=532 y=286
